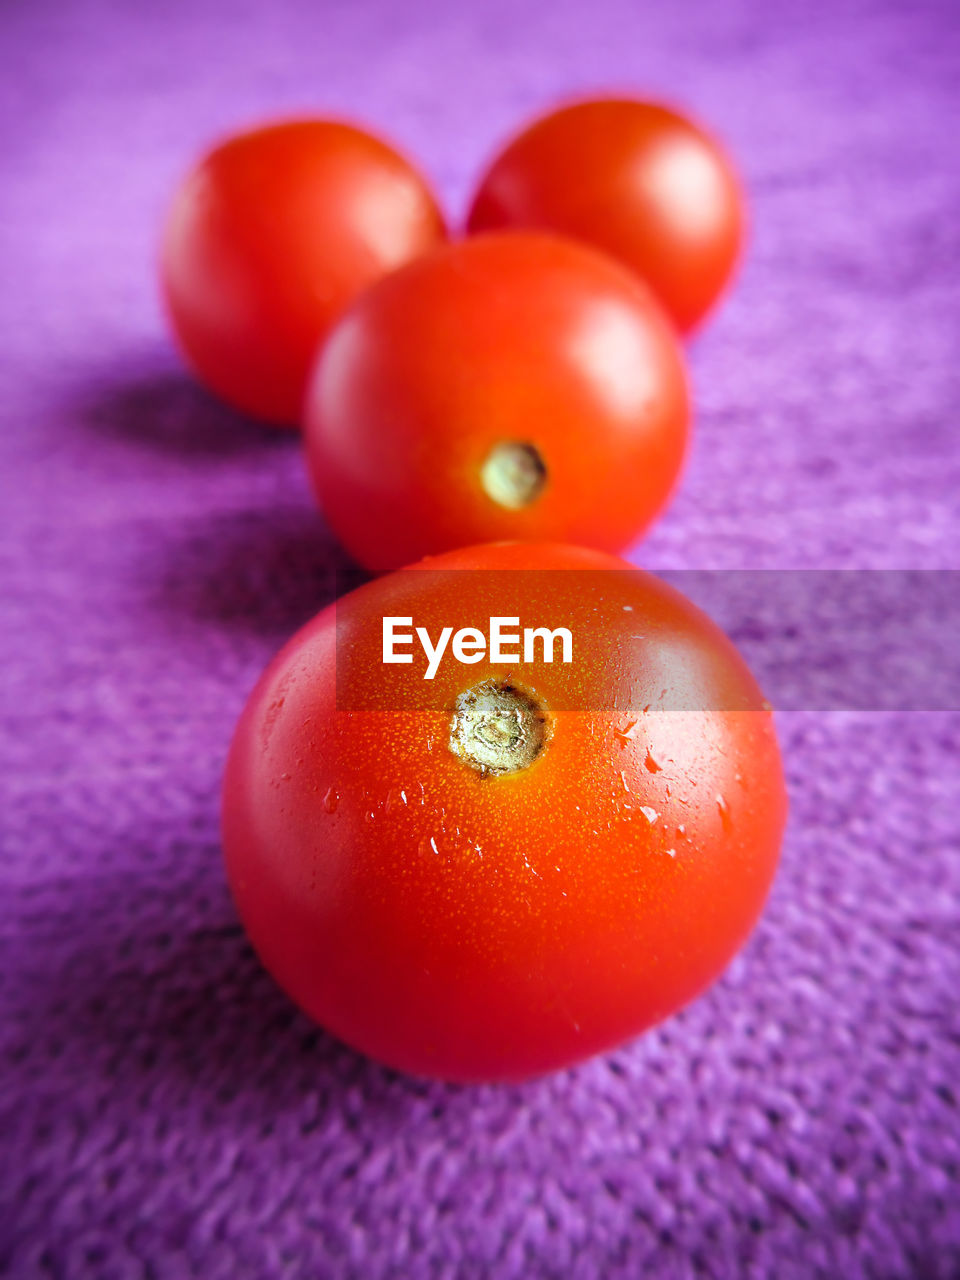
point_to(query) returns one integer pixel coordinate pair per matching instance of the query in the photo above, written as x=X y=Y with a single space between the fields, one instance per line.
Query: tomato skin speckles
x=469 y=924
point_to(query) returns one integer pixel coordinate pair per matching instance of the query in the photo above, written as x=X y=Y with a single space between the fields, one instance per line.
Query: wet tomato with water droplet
x=481 y=877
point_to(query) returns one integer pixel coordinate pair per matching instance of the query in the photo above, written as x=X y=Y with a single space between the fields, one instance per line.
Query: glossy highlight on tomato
x=268 y=239
x=514 y=386
x=532 y=864
x=637 y=180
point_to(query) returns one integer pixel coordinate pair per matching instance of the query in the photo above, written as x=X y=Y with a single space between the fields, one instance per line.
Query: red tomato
x=508 y=868
x=511 y=386
x=267 y=241
x=634 y=179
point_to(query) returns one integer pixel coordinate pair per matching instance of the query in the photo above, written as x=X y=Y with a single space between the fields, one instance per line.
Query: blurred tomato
x=633 y=178
x=270 y=237
x=510 y=386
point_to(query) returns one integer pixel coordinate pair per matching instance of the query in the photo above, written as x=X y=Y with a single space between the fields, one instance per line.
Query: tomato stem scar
x=498 y=728
x=513 y=474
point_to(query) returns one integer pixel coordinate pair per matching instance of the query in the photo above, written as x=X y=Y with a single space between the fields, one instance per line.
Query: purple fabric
x=164 y=1111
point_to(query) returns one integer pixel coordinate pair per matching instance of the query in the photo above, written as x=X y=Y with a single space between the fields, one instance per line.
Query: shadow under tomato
x=263 y=569
x=268 y=565
x=161 y=407
x=141 y=1008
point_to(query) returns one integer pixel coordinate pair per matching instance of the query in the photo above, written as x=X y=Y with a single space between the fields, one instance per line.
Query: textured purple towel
x=164 y=1111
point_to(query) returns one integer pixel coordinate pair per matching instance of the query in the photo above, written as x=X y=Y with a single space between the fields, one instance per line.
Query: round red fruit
x=270 y=237
x=515 y=386
x=503 y=869
x=633 y=178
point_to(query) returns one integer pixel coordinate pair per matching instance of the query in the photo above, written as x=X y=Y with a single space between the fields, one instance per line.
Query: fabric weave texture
x=165 y=1113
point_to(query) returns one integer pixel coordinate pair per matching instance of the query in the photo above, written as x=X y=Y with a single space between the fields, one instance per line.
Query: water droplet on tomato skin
x=428 y=847
x=330 y=800
x=651 y=815
x=396 y=798
x=724 y=810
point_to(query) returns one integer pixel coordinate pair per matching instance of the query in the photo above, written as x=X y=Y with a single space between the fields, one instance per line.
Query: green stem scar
x=513 y=475
x=498 y=728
